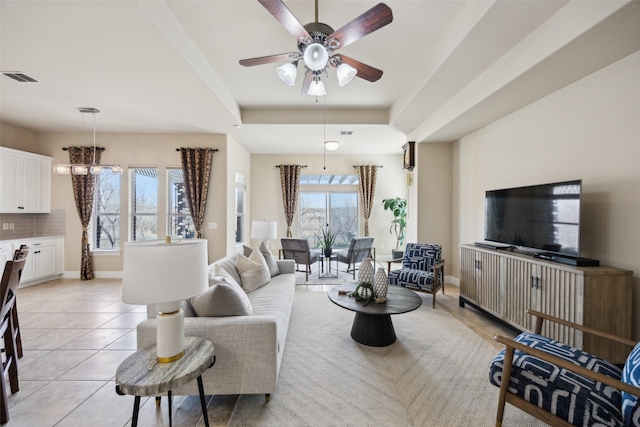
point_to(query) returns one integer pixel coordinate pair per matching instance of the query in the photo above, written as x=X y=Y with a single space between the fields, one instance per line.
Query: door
x=46 y=265
x=520 y=292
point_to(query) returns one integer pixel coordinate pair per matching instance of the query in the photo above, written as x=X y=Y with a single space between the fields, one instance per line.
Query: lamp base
x=170 y=335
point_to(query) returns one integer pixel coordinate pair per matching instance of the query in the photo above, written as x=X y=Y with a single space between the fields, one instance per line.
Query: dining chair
x=8 y=289
x=18 y=255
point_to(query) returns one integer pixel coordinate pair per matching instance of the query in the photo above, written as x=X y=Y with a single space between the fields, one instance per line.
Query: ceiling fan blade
x=365 y=71
x=370 y=21
x=282 y=13
x=308 y=78
x=283 y=57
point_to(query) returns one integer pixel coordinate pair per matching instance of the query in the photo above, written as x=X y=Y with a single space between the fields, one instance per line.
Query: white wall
x=589 y=130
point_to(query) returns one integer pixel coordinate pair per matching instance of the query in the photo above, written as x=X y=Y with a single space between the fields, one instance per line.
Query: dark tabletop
x=399 y=300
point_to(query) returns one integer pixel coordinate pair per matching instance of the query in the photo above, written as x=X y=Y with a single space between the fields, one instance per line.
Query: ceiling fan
x=317 y=43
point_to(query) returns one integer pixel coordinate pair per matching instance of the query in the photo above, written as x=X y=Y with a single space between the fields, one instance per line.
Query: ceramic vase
x=365 y=274
x=380 y=283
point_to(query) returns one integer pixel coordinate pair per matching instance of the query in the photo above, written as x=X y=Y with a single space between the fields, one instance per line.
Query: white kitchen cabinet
x=44 y=262
x=25 y=179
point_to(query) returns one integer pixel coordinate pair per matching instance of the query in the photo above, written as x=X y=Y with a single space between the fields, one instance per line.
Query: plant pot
x=397 y=254
x=327 y=252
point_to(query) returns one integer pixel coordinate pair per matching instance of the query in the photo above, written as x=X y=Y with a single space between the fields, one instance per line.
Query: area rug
x=435 y=374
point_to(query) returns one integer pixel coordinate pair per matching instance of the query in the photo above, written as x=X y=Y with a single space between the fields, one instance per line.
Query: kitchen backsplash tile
x=33 y=225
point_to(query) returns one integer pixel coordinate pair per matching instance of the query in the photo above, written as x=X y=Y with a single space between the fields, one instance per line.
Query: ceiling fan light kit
x=331 y=145
x=317 y=43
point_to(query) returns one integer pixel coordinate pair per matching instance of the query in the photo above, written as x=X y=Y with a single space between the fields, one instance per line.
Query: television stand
x=567 y=259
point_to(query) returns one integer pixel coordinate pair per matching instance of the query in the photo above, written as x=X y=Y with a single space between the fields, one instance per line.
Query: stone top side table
x=142 y=375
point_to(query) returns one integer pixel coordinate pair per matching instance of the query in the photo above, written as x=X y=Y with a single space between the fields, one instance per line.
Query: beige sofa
x=248 y=349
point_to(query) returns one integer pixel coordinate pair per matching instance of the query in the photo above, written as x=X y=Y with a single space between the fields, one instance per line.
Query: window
x=144 y=203
x=105 y=218
x=241 y=189
x=179 y=216
x=338 y=210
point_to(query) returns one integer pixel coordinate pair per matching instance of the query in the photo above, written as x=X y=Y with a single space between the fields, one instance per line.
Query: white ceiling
x=450 y=67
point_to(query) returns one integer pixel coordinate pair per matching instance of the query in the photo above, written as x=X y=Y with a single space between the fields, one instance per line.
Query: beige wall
x=433 y=186
x=18 y=138
x=266 y=195
x=154 y=150
x=589 y=130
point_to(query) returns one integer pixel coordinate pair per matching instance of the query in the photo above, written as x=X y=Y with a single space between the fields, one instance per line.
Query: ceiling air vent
x=20 y=77
x=346 y=132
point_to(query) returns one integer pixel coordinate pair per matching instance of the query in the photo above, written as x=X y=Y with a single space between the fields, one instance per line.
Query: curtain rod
x=303 y=166
x=215 y=150
x=97 y=148
x=357 y=166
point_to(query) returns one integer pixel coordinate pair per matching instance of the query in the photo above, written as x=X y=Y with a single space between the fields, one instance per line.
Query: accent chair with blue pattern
x=422 y=269
x=564 y=386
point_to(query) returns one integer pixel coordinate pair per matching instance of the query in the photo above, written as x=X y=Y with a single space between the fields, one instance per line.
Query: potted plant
x=326 y=240
x=398 y=208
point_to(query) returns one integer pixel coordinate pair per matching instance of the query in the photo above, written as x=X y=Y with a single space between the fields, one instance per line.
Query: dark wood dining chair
x=18 y=255
x=8 y=289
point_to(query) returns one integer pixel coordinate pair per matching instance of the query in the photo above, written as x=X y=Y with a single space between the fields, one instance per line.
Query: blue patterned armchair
x=422 y=269
x=564 y=386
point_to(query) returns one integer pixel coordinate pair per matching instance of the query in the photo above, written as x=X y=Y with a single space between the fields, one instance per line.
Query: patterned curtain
x=196 y=167
x=367 y=189
x=84 y=187
x=290 y=182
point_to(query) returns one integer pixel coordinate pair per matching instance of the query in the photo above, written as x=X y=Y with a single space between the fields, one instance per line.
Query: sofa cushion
x=631 y=375
x=223 y=298
x=253 y=270
x=412 y=279
x=558 y=391
x=274 y=270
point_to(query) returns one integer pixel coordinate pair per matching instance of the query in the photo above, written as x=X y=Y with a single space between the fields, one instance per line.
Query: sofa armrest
x=286 y=266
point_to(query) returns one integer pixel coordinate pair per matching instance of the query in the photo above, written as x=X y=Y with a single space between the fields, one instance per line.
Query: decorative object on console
x=409 y=155
x=380 y=283
x=165 y=273
x=95 y=168
x=317 y=43
x=398 y=208
x=366 y=273
x=264 y=230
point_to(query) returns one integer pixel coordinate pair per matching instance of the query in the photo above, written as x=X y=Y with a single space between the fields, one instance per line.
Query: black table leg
x=202 y=402
x=136 y=409
x=373 y=330
x=169 y=397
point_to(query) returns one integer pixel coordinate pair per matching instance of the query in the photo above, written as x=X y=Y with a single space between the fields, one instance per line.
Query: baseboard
x=453 y=280
x=97 y=274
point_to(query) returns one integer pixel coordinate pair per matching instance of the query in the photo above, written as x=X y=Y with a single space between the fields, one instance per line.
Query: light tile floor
x=75 y=334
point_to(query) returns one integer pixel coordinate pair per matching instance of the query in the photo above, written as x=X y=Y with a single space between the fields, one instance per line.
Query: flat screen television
x=545 y=218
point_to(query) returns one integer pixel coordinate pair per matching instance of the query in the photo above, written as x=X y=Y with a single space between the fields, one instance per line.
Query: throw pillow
x=274 y=270
x=271 y=260
x=223 y=298
x=253 y=270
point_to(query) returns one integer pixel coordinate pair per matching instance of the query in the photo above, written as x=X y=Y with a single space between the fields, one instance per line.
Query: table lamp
x=164 y=273
x=264 y=230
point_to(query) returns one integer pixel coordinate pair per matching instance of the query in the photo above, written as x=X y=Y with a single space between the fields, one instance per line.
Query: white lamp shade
x=287 y=73
x=155 y=272
x=316 y=57
x=316 y=88
x=345 y=73
x=264 y=230
x=331 y=145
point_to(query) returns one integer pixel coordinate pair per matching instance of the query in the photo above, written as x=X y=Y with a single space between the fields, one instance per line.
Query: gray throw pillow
x=223 y=298
x=274 y=270
x=253 y=270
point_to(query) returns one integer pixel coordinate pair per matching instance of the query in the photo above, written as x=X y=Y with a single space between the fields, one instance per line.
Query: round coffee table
x=372 y=324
